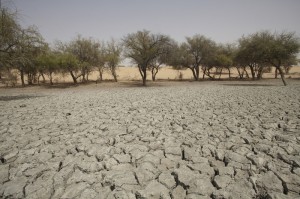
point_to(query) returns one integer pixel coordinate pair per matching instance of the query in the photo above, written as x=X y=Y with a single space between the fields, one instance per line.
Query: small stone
x=220 y=154
x=8 y=157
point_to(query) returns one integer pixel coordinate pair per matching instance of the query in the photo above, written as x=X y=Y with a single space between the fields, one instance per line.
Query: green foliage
x=143 y=47
x=264 y=48
x=197 y=50
x=113 y=57
x=9 y=30
x=24 y=49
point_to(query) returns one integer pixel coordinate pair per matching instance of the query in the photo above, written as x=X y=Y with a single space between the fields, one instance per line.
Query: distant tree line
x=24 y=50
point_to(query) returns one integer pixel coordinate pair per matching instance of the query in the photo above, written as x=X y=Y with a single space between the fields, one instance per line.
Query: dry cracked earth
x=185 y=140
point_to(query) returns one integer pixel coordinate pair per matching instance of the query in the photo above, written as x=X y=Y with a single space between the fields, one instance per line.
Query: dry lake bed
x=170 y=140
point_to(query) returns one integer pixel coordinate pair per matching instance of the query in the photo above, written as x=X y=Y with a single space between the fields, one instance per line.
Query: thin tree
x=113 y=57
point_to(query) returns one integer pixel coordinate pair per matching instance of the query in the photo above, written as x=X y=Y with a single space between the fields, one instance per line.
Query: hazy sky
x=220 y=20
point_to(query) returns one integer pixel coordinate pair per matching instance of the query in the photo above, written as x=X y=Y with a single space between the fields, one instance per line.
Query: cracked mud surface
x=185 y=140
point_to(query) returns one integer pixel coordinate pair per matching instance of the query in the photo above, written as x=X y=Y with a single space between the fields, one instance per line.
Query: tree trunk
x=282 y=75
x=43 y=76
x=144 y=76
x=35 y=78
x=207 y=73
x=143 y=72
x=114 y=75
x=197 y=72
x=276 y=73
x=220 y=73
x=100 y=74
x=50 y=77
x=229 y=74
x=83 y=76
x=29 y=78
x=204 y=71
x=154 y=71
x=260 y=73
x=252 y=72
x=194 y=74
x=22 y=77
x=240 y=73
x=73 y=77
x=287 y=69
x=245 y=71
x=38 y=79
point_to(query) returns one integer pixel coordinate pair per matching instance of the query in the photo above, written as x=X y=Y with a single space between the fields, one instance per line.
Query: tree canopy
x=261 y=49
x=24 y=50
x=143 y=48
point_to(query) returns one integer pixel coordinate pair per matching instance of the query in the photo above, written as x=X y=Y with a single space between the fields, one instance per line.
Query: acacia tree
x=143 y=47
x=155 y=65
x=264 y=48
x=195 y=52
x=251 y=52
x=224 y=58
x=287 y=65
x=113 y=57
x=99 y=59
x=281 y=49
x=163 y=58
x=19 y=46
x=83 y=49
x=23 y=55
x=69 y=63
x=49 y=62
x=9 y=35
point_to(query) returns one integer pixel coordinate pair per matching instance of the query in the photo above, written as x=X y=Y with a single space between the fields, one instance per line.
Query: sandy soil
x=227 y=139
x=165 y=73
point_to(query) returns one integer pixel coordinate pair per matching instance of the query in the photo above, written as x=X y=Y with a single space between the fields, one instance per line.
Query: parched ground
x=170 y=140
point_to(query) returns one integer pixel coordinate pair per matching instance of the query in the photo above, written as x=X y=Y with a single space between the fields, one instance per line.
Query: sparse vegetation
x=146 y=50
x=24 y=50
